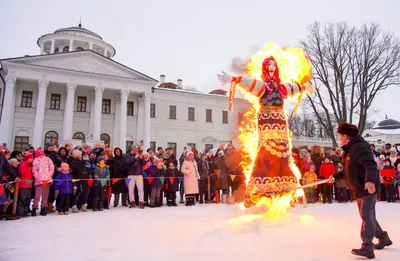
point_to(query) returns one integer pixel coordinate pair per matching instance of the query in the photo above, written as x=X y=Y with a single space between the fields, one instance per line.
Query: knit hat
x=99 y=159
x=39 y=153
x=28 y=156
x=76 y=154
x=393 y=149
x=348 y=129
x=13 y=160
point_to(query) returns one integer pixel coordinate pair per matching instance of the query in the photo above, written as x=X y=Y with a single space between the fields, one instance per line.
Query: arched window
x=106 y=138
x=65 y=49
x=56 y=50
x=79 y=49
x=51 y=137
x=79 y=136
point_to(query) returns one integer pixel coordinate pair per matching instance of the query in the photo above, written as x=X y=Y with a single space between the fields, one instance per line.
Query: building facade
x=74 y=90
x=386 y=131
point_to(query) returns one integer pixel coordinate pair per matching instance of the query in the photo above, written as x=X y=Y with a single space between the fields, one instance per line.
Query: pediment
x=83 y=61
x=209 y=139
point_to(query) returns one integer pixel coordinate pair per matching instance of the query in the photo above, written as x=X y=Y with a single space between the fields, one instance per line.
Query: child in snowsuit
x=172 y=174
x=101 y=175
x=63 y=189
x=308 y=178
x=388 y=173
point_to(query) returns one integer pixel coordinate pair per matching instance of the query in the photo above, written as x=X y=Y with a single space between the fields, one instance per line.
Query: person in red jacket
x=388 y=173
x=25 y=185
x=326 y=170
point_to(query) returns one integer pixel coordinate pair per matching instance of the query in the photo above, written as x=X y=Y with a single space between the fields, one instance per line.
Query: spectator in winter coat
x=147 y=163
x=134 y=163
x=43 y=171
x=397 y=162
x=16 y=154
x=117 y=171
x=340 y=184
x=79 y=171
x=55 y=158
x=393 y=155
x=326 y=170
x=64 y=188
x=191 y=177
x=172 y=175
x=63 y=153
x=373 y=150
x=101 y=175
x=361 y=175
x=25 y=186
x=388 y=174
x=204 y=171
x=397 y=178
x=156 y=172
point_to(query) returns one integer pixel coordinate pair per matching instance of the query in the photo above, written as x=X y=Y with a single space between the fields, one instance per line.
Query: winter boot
x=384 y=241
x=116 y=200
x=141 y=205
x=75 y=209
x=60 y=213
x=84 y=207
x=43 y=212
x=33 y=214
x=363 y=252
x=193 y=201
x=132 y=205
x=50 y=207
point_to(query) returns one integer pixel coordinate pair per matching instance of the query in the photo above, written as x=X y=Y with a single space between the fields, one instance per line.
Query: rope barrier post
x=14 y=206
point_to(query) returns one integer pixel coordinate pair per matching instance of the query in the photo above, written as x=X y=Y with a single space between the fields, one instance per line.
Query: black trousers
x=327 y=191
x=24 y=200
x=203 y=189
x=98 y=197
x=390 y=194
x=63 y=202
x=171 y=198
x=370 y=227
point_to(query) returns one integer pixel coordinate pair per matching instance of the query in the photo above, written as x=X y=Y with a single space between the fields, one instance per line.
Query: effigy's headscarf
x=274 y=80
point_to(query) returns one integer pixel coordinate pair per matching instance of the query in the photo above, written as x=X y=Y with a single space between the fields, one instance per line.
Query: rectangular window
x=172 y=145
x=172 y=112
x=240 y=118
x=225 y=117
x=152 y=110
x=21 y=143
x=190 y=114
x=208 y=115
x=55 y=101
x=129 y=144
x=81 y=104
x=129 y=110
x=26 y=100
x=153 y=145
x=106 y=106
x=192 y=145
x=209 y=147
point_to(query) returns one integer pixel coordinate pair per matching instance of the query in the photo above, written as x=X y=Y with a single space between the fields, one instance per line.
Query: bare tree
x=351 y=66
x=296 y=126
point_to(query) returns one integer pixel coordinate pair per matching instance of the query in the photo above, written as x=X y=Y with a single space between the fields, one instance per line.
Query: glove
x=309 y=88
x=224 y=78
x=56 y=193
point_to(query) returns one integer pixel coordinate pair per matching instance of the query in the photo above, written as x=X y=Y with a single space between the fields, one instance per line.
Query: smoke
x=238 y=66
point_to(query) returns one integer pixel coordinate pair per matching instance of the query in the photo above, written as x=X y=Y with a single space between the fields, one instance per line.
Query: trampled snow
x=201 y=232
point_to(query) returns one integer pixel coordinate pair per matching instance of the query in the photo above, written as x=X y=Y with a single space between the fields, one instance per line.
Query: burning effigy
x=274 y=74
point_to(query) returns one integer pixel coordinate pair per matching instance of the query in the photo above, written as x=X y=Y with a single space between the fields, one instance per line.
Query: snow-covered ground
x=202 y=232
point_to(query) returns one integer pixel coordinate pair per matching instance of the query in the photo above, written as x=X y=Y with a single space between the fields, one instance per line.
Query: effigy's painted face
x=271 y=68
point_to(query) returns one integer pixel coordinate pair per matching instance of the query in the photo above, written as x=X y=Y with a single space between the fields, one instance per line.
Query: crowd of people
x=78 y=179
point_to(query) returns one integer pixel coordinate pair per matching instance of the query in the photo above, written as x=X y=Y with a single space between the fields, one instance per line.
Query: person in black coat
x=78 y=170
x=56 y=159
x=362 y=177
x=172 y=175
x=117 y=171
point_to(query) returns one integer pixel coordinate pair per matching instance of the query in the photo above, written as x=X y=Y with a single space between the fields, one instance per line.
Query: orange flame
x=294 y=67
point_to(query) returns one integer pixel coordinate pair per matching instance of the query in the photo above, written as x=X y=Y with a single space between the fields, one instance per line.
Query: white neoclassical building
x=74 y=90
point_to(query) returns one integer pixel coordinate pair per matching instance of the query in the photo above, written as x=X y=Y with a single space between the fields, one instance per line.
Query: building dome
x=75 y=38
x=387 y=124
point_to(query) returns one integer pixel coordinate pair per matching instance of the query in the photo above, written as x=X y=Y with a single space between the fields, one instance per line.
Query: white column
x=140 y=120
x=53 y=46
x=91 y=46
x=105 y=52
x=92 y=105
x=71 y=45
x=37 y=140
x=42 y=49
x=123 y=117
x=69 y=111
x=7 y=117
x=97 y=112
x=117 y=121
x=147 y=127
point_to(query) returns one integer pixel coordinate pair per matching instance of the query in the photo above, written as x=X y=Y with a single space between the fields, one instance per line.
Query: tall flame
x=294 y=67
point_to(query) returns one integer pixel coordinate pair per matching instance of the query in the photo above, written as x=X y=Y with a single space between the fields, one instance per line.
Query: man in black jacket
x=362 y=177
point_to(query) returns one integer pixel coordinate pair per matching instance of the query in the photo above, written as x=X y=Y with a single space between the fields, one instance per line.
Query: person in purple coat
x=63 y=189
x=156 y=172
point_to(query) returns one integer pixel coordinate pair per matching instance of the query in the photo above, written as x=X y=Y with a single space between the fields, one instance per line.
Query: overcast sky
x=191 y=40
